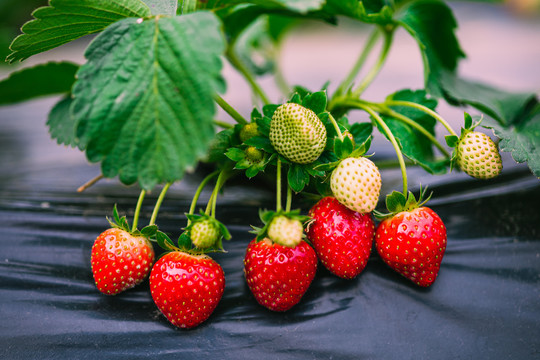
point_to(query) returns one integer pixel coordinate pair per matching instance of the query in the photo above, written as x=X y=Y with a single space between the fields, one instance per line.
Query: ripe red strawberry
x=120 y=260
x=478 y=156
x=278 y=276
x=356 y=183
x=413 y=243
x=186 y=288
x=342 y=238
x=297 y=133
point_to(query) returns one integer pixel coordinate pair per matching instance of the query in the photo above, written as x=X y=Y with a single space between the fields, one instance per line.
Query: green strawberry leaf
x=47 y=79
x=505 y=107
x=269 y=110
x=361 y=132
x=162 y=7
x=315 y=102
x=144 y=100
x=263 y=125
x=220 y=144
x=395 y=201
x=432 y=25
x=297 y=177
x=66 y=20
x=61 y=124
x=522 y=140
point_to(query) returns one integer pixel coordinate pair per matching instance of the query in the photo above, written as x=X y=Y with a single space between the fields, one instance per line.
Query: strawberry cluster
x=318 y=154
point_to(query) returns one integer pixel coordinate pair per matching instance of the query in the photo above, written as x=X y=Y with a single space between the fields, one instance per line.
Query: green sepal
x=149 y=231
x=119 y=222
x=262 y=143
x=267 y=216
x=397 y=202
x=235 y=154
x=297 y=177
x=362 y=149
x=343 y=148
x=451 y=140
x=269 y=110
x=184 y=241
x=315 y=102
x=468 y=121
x=295 y=98
x=218 y=245
x=263 y=124
x=165 y=242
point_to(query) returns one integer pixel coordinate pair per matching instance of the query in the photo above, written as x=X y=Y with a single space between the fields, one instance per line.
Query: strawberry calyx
x=453 y=141
x=269 y=217
x=397 y=202
x=122 y=223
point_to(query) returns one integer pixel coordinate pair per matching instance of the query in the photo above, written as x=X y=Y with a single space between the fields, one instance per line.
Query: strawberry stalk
x=199 y=191
x=289 y=199
x=388 y=37
x=159 y=202
x=372 y=40
x=138 y=210
x=230 y=110
x=212 y=202
x=392 y=139
x=223 y=124
x=336 y=126
x=239 y=65
x=278 y=185
x=424 y=109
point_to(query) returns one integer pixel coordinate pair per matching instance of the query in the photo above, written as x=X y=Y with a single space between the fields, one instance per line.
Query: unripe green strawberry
x=356 y=183
x=248 y=131
x=204 y=233
x=253 y=154
x=297 y=133
x=285 y=231
x=478 y=156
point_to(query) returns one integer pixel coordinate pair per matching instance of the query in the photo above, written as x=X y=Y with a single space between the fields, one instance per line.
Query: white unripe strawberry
x=297 y=133
x=356 y=183
x=285 y=231
x=478 y=156
x=204 y=233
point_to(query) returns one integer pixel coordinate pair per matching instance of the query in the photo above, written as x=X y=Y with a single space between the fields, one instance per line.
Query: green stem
x=393 y=140
x=138 y=211
x=199 y=191
x=418 y=127
x=230 y=110
x=223 y=124
x=336 y=126
x=158 y=203
x=424 y=109
x=278 y=185
x=372 y=40
x=212 y=202
x=239 y=65
x=289 y=199
x=388 y=36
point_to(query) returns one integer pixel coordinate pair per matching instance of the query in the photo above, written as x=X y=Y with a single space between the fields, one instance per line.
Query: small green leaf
x=61 y=124
x=263 y=125
x=361 y=132
x=316 y=102
x=468 y=121
x=144 y=101
x=366 y=11
x=451 y=140
x=343 y=149
x=298 y=177
x=47 y=79
x=220 y=144
x=296 y=99
x=66 y=20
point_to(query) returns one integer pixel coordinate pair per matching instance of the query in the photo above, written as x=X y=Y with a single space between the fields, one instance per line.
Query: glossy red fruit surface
x=342 y=238
x=413 y=243
x=278 y=276
x=120 y=260
x=186 y=288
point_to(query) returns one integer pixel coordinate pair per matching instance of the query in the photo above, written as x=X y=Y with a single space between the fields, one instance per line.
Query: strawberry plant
x=144 y=106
